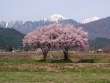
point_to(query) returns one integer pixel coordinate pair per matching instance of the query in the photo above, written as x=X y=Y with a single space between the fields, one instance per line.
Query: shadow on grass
x=86 y=61
x=56 y=61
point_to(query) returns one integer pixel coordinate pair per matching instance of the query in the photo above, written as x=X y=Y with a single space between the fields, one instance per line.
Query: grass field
x=53 y=77
x=29 y=68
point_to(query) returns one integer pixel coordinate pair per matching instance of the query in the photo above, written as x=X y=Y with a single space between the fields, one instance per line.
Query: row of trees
x=57 y=36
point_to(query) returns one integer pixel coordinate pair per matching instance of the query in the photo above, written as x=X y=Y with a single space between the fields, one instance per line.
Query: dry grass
x=57 y=55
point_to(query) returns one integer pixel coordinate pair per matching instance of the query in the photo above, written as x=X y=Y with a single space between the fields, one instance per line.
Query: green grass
x=54 y=77
x=55 y=73
x=29 y=68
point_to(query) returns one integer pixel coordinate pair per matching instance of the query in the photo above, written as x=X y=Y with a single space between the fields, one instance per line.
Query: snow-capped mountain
x=29 y=26
x=95 y=26
x=90 y=19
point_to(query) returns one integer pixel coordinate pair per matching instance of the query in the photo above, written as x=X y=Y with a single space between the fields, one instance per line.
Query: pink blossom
x=57 y=36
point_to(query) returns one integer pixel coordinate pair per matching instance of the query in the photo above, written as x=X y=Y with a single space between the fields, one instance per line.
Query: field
x=27 y=67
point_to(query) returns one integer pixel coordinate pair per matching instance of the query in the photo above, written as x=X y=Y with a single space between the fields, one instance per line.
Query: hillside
x=99 y=28
x=98 y=43
x=10 y=38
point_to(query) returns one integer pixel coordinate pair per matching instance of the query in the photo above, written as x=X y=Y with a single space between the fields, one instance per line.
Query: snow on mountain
x=56 y=18
x=90 y=19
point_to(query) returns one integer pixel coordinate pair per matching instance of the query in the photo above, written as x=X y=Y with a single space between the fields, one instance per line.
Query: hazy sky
x=36 y=9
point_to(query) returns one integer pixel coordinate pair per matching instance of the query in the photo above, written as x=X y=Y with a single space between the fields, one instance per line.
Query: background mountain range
x=98 y=30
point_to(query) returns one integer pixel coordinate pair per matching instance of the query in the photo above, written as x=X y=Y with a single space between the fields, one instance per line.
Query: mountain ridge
x=97 y=28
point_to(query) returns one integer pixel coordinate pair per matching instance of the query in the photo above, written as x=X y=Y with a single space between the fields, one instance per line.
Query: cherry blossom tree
x=57 y=36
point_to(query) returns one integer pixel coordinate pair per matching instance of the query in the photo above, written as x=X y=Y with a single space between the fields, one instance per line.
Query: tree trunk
x=45 y=52
x=45 y=56
x=65 y=51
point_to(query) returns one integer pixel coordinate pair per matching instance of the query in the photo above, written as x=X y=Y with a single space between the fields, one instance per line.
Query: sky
x=38 y=9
